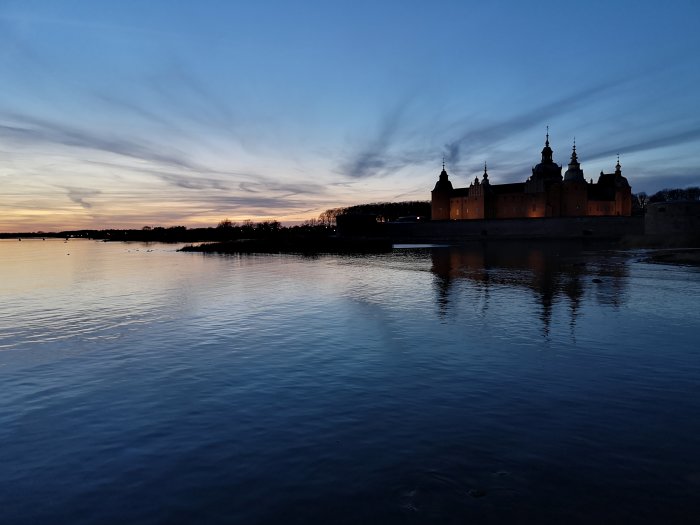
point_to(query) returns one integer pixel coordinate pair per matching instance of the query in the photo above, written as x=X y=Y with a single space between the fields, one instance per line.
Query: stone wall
x=673 y=218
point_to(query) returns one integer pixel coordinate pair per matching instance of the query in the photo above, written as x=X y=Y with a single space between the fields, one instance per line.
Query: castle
x=544 y=194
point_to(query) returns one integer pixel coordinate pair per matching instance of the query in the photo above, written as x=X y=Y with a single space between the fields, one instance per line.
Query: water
x=511 y=384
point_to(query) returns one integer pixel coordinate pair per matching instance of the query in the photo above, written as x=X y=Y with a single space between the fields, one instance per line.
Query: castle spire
x=547 y=151
x=574 y=173
x=443 y=173
x=618 y=168
x=486 y=175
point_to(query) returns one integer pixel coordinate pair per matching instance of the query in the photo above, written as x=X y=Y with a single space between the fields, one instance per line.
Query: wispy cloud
x=79 y=196
x=474 y=139
x=288 y=189
x=122 y=105
x=390 y=151
x=374 y=157
x=31 y=129
x=191 y=183
x=690 y=134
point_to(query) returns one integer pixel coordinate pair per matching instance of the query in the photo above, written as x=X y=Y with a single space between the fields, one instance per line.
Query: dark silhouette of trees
x=639 y=203
x=384 y=211
x=226 y=224
x=227 y=230
x=676 y=194
x=327 y=218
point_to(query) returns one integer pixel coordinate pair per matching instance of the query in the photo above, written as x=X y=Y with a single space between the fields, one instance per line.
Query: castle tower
x=440 y=197
x=623 y=192
x=574 y=173
x=547 y=170
x=486 y=176
x=547 y=151
x=574 y=195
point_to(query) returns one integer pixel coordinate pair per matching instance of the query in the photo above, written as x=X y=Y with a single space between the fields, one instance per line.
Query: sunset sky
x=133 y=113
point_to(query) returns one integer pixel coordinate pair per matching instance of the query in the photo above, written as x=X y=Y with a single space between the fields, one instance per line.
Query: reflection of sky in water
x=497 y=385
x=103 y=290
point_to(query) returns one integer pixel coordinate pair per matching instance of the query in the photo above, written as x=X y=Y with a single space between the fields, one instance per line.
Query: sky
x=132 y=113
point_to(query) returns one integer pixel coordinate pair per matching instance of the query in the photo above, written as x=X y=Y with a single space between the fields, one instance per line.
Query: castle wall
x=439 y=205
x=519 y=205
x=673 y=218
x=467 y=207
x=558 y=200
x=623 y=202
x=601 y=208
x=574 y=199
x=553 y=205
x=510 y=205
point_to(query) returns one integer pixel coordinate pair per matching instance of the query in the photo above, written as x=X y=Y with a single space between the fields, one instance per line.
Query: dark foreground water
x=512 y=384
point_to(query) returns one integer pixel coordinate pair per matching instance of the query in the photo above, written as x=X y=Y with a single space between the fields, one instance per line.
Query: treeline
x=384 y=211
x=676 y=194
x=226 y=230
x=641 y=200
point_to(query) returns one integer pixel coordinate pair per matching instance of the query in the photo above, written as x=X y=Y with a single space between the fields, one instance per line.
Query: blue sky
x=162 y=113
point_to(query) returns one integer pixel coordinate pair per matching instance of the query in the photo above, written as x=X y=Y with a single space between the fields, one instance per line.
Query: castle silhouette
x=544 y=194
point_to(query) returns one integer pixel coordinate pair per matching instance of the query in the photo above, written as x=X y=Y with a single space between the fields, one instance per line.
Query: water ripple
x=439 y=385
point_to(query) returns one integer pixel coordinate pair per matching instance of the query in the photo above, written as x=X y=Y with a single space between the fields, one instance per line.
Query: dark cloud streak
x=79 y=196
x=374 y=159
x=32 y=129
x=190 y=183
x=40 y=130
x=675 y=139
x=472 y=140
x=380 y=157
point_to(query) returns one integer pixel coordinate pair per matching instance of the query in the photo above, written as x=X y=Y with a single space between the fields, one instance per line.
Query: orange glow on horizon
x=28 y=221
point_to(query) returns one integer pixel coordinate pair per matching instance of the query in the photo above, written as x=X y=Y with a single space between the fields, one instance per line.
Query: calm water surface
x=498 y=384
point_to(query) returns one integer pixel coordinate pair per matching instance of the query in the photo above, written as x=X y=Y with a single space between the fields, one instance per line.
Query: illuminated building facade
x=545 y=194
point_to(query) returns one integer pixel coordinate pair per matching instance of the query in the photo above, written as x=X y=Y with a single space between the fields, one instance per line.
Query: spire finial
x=443 y=163
x=574 y=158
x=547 y=141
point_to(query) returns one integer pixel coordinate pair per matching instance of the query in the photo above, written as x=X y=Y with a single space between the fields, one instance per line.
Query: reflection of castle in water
x=550 y=270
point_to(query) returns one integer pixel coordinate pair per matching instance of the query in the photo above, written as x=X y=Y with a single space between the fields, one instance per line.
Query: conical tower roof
x=574 y=173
